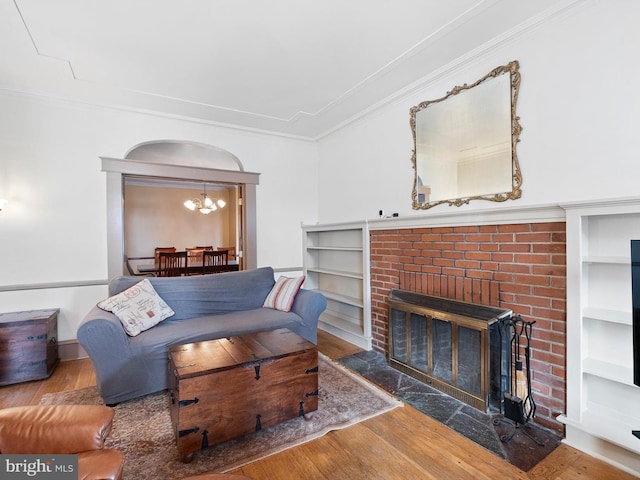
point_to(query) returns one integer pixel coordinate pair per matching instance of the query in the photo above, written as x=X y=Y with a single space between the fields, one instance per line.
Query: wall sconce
x=3 y=202
x=206 y=205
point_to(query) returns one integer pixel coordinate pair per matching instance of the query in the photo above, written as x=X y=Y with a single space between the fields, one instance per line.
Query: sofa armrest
x=104 y=339
x=308 y=305
x=54 y=429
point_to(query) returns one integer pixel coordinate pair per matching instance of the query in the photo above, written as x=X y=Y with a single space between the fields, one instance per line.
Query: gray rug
x=142 y=427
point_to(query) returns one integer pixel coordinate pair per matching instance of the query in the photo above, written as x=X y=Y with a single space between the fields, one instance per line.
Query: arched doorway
x=178 y=161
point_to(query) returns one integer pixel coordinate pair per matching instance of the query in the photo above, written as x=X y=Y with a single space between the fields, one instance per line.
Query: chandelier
x=206 y=205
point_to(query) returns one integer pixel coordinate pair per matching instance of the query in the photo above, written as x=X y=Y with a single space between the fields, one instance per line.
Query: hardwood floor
x=400 y=444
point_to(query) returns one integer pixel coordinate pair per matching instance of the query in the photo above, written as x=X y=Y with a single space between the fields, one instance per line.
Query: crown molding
x=473 y=56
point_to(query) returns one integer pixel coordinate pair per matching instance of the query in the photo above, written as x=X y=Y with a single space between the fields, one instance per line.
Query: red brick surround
x=517 y=266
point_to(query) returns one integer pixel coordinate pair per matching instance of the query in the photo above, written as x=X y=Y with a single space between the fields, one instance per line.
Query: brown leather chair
x=218 y=476
x=63 y=429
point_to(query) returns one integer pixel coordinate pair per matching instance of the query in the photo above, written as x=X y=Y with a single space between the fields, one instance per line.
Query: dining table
x=152 y=268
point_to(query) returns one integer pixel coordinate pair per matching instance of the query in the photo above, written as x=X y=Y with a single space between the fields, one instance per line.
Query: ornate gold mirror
x=465 y=143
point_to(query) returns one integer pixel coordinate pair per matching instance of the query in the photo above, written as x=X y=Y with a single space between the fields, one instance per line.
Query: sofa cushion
x=209 y=327
x=138 y=307
x=200 y=295
x=283 y=293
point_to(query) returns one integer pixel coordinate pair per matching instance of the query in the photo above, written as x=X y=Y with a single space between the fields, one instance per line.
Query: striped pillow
x=283 y=293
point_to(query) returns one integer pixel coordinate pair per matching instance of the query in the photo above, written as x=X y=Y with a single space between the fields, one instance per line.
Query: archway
x=178 y=161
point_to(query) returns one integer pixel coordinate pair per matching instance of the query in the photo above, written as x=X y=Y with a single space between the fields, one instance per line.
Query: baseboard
x=604 y=450
x=70 y=350
x=354 y=339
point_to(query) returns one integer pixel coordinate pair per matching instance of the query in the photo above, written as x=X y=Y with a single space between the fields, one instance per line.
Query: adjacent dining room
x=179 y=228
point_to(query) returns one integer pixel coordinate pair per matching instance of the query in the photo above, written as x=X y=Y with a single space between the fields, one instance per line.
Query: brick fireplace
x=518 y=266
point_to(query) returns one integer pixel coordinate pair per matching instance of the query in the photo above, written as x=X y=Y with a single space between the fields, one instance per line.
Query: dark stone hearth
x=486 y=430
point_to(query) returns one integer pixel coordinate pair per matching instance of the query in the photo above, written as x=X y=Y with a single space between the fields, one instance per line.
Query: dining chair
x=231 y=250
x=156 y=253
x=194 y=260
x=172 y=264
x=205 y=247
x=215 y=261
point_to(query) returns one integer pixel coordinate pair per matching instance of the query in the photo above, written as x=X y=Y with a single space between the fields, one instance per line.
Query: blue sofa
x=206 y=307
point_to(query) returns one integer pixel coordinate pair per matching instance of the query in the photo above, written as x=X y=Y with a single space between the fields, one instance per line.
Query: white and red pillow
x=283 y=293
x=138 y=307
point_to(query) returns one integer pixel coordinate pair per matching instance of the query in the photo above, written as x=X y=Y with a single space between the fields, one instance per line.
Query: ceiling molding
x=463 y=33
x=473 y=56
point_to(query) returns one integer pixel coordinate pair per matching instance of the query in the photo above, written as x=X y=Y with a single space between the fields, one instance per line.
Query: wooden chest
x=223 y=389
x=28 y=345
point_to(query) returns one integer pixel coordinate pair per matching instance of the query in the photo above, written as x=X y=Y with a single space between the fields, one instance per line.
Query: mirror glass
x=464 y=143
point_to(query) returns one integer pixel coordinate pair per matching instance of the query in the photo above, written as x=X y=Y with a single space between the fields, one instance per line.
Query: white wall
x=54 y=228
x=578 y=108
x=156 y=217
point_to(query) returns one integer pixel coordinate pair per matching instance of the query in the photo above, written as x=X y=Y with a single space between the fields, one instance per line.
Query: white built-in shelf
x=345 y=249
x=607 y=425
x=607 y=315
x=336 y=264
x=341 y=323
x=341 y=298
x=611 y=259
x=610 y=371
x=603 y=404
x=338 y=273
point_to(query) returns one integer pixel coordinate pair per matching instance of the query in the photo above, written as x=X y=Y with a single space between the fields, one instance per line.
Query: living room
x=344 y=163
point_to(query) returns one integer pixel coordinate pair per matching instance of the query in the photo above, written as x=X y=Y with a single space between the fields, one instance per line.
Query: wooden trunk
x=28 y=345
x=223 y=389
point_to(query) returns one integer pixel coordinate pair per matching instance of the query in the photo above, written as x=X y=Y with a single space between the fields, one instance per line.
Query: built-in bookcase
x=603 y=404
x=336 y=263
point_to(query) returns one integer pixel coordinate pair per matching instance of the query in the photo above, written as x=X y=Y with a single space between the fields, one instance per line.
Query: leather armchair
x=63 y=429
x=218 y=476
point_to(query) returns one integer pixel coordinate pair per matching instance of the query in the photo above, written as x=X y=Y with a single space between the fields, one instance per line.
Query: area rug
x=142 y=427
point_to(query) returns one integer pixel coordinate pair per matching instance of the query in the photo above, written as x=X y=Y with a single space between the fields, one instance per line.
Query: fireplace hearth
x=459 y=348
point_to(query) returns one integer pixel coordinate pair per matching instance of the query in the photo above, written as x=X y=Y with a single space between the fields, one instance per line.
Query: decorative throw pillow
x=138 y=307
x=283 y=293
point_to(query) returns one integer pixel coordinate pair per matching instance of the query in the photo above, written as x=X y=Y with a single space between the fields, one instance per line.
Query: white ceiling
x=299 y=68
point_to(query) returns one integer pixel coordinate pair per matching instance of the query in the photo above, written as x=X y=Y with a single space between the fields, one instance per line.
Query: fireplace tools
x=519 y=405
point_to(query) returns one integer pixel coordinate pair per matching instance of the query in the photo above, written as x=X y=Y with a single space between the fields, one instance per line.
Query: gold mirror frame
x=516 y=176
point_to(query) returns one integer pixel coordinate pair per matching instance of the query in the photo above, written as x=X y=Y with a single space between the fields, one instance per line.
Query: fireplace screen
x=457 y=347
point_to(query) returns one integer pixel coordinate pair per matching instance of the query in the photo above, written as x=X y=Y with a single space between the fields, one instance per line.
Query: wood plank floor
x=400 y=444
